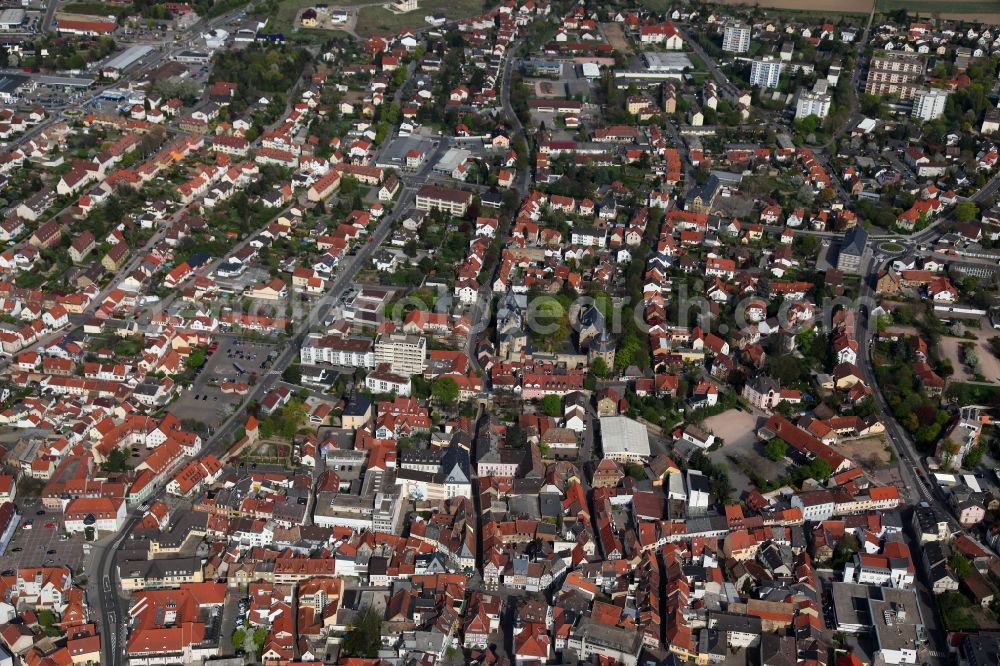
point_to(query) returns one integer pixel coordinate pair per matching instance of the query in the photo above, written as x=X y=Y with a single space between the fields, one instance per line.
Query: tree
x=965 y=211
x=776 y=449
x=974 y=456
x=637 y=472
x=259 y=638
x=445 y=390
x=239 y=639
x=551 y=405
x=599 y=368
x=549 y=324
x=364 y=639
x=961 y=566
x=786 y=368
x=818 y=469
x=292 y=374
x=845 y=549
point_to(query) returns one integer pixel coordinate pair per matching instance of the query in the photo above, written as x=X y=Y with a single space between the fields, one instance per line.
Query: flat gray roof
x=897 y=620
x=620 y=434
x=11 y=17
x=850 y=604
x=129 y=56
x=69 y=81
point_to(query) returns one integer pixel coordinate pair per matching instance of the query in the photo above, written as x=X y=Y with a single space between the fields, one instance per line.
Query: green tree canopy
x=776 y=449
x=445 y=390
x=551 y=405
x=364 y=639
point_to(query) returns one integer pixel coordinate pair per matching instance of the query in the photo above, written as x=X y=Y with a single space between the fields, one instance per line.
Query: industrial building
x=116 y=65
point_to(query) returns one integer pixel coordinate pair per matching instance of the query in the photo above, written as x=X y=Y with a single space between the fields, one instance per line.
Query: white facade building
x=736 y=38
x=929 y=104
x=815 y=102
x=766 y=72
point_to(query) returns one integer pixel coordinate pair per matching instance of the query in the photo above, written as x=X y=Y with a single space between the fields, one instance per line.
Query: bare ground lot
x=741 y=450
x=989 y=365
x=733 y=426
x=616 y=37
x=869 y=452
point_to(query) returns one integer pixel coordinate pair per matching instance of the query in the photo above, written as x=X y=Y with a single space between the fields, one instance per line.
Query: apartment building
x=736 y=38
x=815 y=102
x=449 y=200
x=929 y=104
x=894 y=74
x=766 y=72
x=405 y=354
x=336 y=350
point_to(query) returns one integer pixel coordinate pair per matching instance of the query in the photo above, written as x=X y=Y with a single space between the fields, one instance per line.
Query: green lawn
x=96 y=9
x=289 y=9
x=374 y=20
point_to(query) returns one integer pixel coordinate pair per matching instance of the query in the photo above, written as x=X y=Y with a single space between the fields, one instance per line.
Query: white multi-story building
x=736 y=38
x=383 y=380
x=929 y=104
x=766 y=72
x=879 y=570
x=335 y=350
x=815 y=102
x=405 y=354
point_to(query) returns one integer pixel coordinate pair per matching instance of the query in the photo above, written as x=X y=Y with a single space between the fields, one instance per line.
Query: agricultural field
x=837 y=6
x=983 y=11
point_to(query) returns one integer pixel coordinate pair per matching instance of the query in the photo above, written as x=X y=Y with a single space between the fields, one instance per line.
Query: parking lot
x=44 y=543
x=234 y=360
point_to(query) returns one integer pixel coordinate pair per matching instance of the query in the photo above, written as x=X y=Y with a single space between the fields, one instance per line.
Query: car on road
x=51 y=551
x=16 y=550
x=40 y=512
x=50 y=526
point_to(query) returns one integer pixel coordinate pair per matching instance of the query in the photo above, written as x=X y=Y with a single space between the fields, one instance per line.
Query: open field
x=96 y=9
x=733 y=426
x=993 y=19
x=869 y=452
x=950 y=6
x=284 y=18
x=375 y=20
x=983 y=11
x=616 y=37
x=810 y=6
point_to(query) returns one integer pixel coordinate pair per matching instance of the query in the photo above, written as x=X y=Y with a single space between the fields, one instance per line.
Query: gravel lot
x=989 y=365
x=733 y=426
